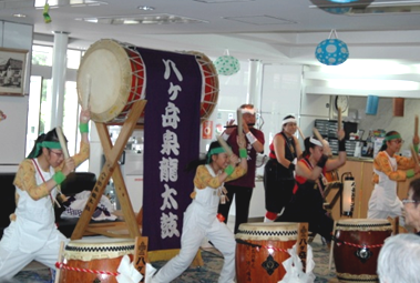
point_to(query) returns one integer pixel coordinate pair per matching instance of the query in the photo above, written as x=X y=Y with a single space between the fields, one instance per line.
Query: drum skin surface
x=263 y=264
x=117 y=79
x=104 y=256
x=357 y=246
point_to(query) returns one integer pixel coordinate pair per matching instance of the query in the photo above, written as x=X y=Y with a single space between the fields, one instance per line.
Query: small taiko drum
x=356 y=248
x=261 y=249
x=112 y=77
x=94 y=260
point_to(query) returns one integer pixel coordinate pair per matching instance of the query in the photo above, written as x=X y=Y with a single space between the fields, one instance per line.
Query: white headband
x=289 y=120
x=315 y=141
x=246 y=110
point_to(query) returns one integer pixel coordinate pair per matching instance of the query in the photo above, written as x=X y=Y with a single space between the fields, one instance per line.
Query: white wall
x=13 y=128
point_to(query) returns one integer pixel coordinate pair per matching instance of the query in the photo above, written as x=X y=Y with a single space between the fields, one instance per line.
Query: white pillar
x=254 y=95
x=59 y=67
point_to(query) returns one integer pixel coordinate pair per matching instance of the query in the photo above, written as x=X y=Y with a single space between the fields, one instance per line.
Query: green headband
x=393 y=137
x=214 y=151
x=46 y=144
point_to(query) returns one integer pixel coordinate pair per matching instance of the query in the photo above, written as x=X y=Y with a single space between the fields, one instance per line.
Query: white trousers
x=383 y=214
x=192 y=236
x=13 y=260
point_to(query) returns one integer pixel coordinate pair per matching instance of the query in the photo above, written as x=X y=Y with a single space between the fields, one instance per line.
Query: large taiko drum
x=210 y=88
x=261 y=249
x=84 y=260
x=113 y=76
x=357 y=246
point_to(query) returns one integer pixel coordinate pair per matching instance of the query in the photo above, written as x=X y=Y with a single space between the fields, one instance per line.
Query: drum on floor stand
x=261 y=249
x=356 y=248
x=94 y=260
x=112 y=76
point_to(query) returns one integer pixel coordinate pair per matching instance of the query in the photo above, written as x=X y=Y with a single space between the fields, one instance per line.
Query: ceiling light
x=18 y=15
x=145 y=19
x=146 y=8
x=221 y=1
x=39 y=4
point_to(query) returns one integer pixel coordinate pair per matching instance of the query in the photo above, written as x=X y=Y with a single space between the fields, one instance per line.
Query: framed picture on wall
x=12 y=71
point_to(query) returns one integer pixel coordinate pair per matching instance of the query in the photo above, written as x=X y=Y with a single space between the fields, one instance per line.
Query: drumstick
x=319 y=137
x=85 y=102
x=339 y=118
x=62 y=142
x=225 y=145
x=416 y=126
x=332 y=247
x=414 y=154
x=60 y=260
x=240 y=121
x=300 y=133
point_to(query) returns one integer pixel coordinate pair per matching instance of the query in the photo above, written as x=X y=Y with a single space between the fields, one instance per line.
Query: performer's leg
x=11 y=262
x=49 y=254
x=224 y=208
x=242 y=199
x=191 y=239
x=272 y=192
x=224 y=241
x=377 y=214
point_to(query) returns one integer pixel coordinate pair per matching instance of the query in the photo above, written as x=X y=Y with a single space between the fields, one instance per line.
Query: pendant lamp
x=341 y=7
x=227 y=65
x=332 y=51
x=398 y=107
x=372 y=104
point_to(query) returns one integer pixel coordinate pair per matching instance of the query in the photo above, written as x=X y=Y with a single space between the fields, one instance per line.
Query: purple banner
x=171 y=141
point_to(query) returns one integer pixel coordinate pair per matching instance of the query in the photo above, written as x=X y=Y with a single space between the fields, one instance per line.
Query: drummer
x=390 y=168
x=201 y=219
x=32 y=233
x=307 y=201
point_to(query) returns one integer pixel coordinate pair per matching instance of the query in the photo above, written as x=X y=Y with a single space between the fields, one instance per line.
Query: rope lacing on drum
x=258 y=247
x=61 y=265
x=339 y=242
x=100 y=249
x=269 y=233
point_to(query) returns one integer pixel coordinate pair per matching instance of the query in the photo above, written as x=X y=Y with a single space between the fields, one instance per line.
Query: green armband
x=84 y=128
x=416 y=148
x=229 y=170
x=59 y=177
x=243 y=153
x=409 y=173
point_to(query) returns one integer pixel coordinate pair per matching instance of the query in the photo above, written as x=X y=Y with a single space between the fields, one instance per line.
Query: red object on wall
x=207 y=132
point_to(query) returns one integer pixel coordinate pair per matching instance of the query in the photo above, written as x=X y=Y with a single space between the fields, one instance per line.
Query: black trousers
x=242 y=199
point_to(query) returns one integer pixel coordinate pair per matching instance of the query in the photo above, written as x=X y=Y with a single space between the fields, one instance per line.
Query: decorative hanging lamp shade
x=332 y=51
x=227 y=65
x=341 y=6
x=372 y=104
x=398 y=107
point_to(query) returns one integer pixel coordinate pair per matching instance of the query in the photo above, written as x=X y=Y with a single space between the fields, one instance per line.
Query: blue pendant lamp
x=372 y=104
x=332 y=51
x=340 y=7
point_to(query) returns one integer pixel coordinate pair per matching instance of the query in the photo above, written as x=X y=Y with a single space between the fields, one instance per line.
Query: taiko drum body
x=261 y=249
x=357 y=246
x=83 y=259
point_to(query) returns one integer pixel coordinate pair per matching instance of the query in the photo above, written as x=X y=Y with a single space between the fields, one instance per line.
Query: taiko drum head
x=109 y=71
